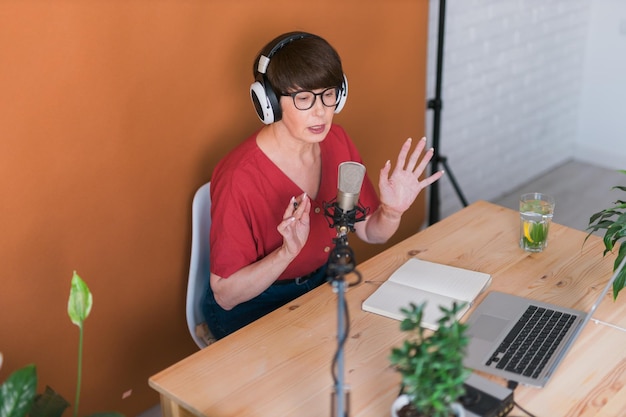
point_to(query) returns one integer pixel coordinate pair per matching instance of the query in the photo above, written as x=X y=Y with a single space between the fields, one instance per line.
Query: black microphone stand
x=340 y=263
x=436 y=104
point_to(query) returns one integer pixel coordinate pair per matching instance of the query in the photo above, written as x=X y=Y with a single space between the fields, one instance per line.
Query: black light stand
x=436 y=104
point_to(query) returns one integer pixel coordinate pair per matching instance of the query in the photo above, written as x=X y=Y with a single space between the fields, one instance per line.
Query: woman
x=269 y=238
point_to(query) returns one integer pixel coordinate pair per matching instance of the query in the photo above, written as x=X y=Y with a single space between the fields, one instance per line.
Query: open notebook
x=418 y=281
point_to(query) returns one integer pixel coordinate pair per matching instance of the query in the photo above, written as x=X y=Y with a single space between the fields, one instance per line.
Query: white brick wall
x=512 y=76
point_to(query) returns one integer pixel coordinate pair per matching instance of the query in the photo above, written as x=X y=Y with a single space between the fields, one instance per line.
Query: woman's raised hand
x=399 y=188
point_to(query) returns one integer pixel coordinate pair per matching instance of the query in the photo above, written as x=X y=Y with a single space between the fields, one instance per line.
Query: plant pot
x=456 y=410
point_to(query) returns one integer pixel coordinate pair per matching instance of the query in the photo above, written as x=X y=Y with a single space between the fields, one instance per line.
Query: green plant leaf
x=48 y=404
x=613 y=221
x=620 y=280
x=80 y=301
x=618 y=284
x=603 y=218
x=18 y=391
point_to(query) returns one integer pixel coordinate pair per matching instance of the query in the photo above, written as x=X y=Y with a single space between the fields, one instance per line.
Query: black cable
x=512 y=385
x=359 y=278
x=341 y=342
x=523 y=410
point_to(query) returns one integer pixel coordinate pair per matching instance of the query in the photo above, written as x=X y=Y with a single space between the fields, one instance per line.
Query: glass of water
x=536 y=211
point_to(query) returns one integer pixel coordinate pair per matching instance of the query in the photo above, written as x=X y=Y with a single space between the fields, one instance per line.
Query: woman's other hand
x=400 y=189
x=295 y=226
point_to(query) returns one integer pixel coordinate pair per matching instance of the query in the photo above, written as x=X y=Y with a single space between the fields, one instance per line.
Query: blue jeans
x=222 y=322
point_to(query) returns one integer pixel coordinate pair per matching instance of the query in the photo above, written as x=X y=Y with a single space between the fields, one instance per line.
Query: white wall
x=601 y=135
x=512 y=85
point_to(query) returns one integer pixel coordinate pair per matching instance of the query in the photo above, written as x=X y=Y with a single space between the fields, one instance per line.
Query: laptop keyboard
x=532 y=341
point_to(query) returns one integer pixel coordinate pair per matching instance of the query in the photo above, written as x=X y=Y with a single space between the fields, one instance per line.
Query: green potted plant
x=431 y=365
x=613 y=221
x=18 y=396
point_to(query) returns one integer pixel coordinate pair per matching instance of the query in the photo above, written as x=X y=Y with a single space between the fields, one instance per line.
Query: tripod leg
x=455 y=184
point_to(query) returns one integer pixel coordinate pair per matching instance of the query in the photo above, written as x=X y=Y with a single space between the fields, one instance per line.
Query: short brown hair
x=307 y=62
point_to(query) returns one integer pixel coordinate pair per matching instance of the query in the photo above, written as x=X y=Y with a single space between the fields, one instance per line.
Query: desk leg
x=171 y=409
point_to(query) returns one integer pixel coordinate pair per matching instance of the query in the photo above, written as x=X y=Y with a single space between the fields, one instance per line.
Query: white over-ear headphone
x=266 y=102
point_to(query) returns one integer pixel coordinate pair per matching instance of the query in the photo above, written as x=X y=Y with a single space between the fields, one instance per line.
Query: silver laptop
x=521 y=339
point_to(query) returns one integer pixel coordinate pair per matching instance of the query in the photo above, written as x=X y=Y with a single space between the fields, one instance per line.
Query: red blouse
x=249 y=195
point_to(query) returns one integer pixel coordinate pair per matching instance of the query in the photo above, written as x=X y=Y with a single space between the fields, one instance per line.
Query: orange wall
x=112 y=113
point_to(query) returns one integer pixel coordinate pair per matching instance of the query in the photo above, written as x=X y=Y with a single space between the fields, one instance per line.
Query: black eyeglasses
x=304 y=100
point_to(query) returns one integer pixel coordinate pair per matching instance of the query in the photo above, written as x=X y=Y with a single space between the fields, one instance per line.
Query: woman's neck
x=299 y=160
x=273 y=142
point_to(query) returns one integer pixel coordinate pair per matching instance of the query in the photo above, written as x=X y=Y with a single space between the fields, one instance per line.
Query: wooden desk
x=281 y=364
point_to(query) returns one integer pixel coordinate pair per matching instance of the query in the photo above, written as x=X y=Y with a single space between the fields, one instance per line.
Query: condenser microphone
x=350 y=180
x=345 y=211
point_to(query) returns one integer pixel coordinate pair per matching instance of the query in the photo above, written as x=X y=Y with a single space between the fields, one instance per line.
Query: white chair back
x=199 y=272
